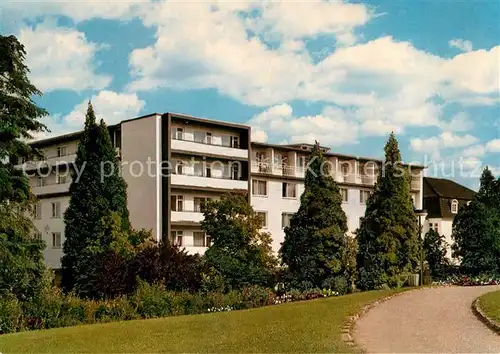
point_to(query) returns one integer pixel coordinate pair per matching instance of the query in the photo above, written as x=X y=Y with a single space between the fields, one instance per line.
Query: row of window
x=60 y=179
x=56 y=239
x=207 y=138
x=205 y=170
x=285 y=219
x=200 y=239
x=289 y=190
x=55 y=208
x=177 y=203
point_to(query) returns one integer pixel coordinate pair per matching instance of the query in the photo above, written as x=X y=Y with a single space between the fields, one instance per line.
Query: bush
x=10 y=315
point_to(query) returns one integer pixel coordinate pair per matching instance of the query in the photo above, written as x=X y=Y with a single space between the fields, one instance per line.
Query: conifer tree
x=388 y=242
x=476 y=229
x=98 y=193
x=315 y=242
x=22 y=268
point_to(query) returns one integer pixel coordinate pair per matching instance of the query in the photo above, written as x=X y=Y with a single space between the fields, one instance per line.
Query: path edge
x=481 y=316
x=347 y=332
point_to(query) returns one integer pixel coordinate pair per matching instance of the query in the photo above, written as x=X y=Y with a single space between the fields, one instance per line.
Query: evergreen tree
x=388 y=241
x=97 y=191
x=22 y=268
x=240 y=253
x=435 y=249
x=315 y=242
x=476 y=229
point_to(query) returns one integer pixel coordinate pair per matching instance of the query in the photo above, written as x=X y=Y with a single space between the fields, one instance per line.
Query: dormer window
x=454 y=206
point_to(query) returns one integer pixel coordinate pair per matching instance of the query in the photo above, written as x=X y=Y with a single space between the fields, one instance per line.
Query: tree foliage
x=387 y=237
x=435 y=249
x=97 y=215
x=22 y=270
x=240 y=253
x=476 y=229
x=315 y=242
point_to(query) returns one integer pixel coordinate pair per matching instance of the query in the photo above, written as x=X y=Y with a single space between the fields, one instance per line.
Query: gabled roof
x=446 y=188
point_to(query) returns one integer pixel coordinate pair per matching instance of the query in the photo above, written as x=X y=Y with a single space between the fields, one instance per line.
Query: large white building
x=172 y=163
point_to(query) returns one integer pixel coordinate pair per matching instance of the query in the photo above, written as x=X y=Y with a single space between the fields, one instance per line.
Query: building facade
x=173 y=163
x=443 y=199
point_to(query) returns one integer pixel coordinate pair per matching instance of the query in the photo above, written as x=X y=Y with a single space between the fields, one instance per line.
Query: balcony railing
x=206 y=142
x=223 y=176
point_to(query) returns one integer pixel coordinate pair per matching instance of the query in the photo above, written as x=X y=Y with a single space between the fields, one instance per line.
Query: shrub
x=10 y=315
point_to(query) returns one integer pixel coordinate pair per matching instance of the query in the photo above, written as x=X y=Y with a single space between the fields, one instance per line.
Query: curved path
x=431 y=320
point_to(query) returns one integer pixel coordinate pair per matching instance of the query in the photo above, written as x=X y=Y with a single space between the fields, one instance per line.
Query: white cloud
x=61 y=58
x=463 y=45
x=279 y=123
x=445 y=141
x=460 y=122
x=493 y=145
x=111 y=106
x=475 y=151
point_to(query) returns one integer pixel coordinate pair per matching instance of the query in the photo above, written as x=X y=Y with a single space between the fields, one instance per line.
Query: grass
x=306 y=326
x=490 y=304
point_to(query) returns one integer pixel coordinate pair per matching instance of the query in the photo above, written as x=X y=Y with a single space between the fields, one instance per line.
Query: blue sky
x=344 y=73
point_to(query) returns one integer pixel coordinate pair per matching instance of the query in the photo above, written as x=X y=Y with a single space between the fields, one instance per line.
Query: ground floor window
x=200 y=239
x=176 y=238
x=56 y=240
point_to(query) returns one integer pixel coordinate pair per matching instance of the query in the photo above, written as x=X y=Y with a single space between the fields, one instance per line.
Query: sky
x=346 y=74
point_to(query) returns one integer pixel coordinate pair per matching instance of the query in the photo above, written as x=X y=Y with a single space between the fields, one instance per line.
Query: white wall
x=46 y=225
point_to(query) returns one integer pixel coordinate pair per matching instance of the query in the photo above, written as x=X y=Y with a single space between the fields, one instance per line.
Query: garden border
x=347 y=334
x=481 y=316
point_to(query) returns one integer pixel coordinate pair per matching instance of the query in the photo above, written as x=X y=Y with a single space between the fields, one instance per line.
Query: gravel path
x=432 y=320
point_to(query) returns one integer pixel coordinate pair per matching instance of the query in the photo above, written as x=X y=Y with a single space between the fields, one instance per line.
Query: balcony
x=222 y=182
x=186 y=216
x=368 y=179
x=48 y=162
x=51 y=188
x=208 y=148
x=277 y=169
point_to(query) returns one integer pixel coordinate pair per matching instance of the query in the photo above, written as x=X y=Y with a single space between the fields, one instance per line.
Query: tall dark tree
x=476 y=229
x=435 y=249
x=315 y=242
x=240 y=253
x=21 y=257
x=388 y=241
x=98 y=194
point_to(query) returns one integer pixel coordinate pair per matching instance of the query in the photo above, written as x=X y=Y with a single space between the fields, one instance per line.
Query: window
x=176 y=238
x=363 y=196
x=199 y=202
x=235 y=142
x=263 y=218
x=177 y=203
x=200 y=239
x=61 y=179
x=40 y=182
x=38 y=235
x=61 y=151
x=208 y=138
x=259 y=188
x=38 y=211
x=235 y=171
x=199 y=137
x=208 y=171
x=56 y=240
x=454 y=206
x=180 y=167
x=289 y=190
x=285 y=219
x=345 y=194
x=179 y=132
x=434 y=226
x=56 y=210
x=301 y=162
x=345 y=168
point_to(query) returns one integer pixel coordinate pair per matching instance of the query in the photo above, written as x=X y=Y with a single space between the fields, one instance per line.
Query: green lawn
x=307 y=326
x=490 y=304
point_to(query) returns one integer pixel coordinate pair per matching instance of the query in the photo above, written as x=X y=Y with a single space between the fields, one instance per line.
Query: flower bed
x=464 y=280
